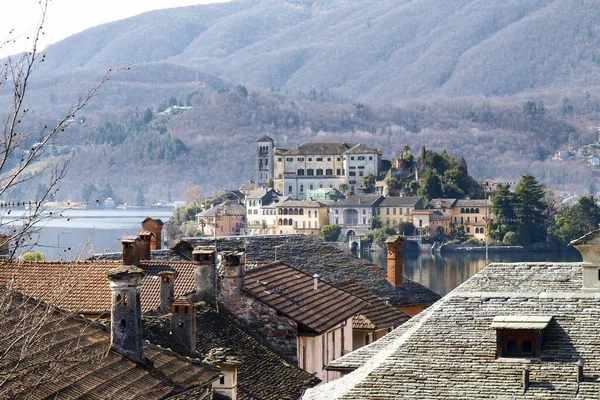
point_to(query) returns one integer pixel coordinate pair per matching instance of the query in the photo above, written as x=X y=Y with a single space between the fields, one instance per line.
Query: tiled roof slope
x=379 y=314
x=291 y=292
x=82 y=286
x=449 y=350
x=313 y=256
x=262 y=374
x=397 y=201
x=363 y=200
x=68 y=357
x=472 y=203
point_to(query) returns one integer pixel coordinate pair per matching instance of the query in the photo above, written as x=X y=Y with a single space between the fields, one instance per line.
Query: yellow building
x=301 y=216
x=394 y=209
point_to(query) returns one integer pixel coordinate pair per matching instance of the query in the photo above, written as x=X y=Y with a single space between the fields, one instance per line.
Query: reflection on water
x=79 y=233
x=444 y=273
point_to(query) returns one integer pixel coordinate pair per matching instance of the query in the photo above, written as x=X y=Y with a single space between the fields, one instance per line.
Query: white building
x=260 y=211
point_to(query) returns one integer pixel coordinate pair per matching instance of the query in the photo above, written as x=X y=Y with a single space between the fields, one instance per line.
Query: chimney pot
x=316 y=281
x=155 y=226
x=589 y=247
x=131 y=250
x=204 y=258
x=579 y=370
x=126 y=312
x=145 y=244
x=395 y=245
x=525 y=378
x=167 y=290
x=183 y=322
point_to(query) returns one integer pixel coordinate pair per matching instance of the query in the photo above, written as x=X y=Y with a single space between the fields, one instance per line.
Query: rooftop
x=363 y=200
x=321 y=148
x=449 y=351
x=262 y=374
x=59 y=355
x=291 y=292
x=82 y=286
x=313 y=256
x=397 y=201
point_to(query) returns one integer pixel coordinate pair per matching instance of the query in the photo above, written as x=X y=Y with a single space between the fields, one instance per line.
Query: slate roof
x=229 y=208
x=472 y=203
x=301 y=203
x=362 y=149
x=262 y=374
x=377 y=315
x=448 y=351
x=397 y=201
x=69 y=357
x=82 y=286
x=321 y=148
x=257 y=193
x=441 y=203
x=264 y=138
x=290 y=292
x=363 y=200
x=313 y=256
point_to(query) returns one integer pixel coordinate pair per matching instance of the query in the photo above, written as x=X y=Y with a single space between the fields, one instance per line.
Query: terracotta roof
x=313 y=256
x=321 y=148
x=68 y=356
x=262 y=374
x=378 y=313
x=291 y=292
x=83 y=286
x=157 y=220
x=449 y=351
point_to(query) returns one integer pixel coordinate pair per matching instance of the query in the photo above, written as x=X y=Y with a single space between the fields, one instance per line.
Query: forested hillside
x=213 y=143
x=502 y=84
x=367 y=50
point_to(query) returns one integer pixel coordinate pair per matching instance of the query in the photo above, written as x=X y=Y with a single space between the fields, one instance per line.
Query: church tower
x=264 y=161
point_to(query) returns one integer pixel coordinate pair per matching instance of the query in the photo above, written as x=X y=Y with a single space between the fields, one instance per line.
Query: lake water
x=79 y=233
x=444 y=273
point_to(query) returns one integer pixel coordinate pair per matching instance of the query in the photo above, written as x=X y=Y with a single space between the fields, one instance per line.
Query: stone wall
x=278 y=331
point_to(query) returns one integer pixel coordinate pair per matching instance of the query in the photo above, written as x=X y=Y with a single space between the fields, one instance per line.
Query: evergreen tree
x=503 y=208
x=575 y=221
x=530 y=208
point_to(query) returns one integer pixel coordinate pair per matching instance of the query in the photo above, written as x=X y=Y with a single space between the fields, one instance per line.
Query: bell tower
x=264 y=161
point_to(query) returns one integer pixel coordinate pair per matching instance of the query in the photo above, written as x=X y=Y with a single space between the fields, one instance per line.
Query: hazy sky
x=66 y=17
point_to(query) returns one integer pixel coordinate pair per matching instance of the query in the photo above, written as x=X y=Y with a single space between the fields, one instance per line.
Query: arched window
x=476 y=230
x=311 y=187
x=477 y=210
x=329 y=172
x=301 y=188
x=331 y=186
x=280 y=221
x=472 y=211
x=321 y=186
x=301 y=211
x=310 y=171
x=280 y=211
x=319 y=171
x=300 y=171
x=462 y=211
x=285 y=212
x=295 y=211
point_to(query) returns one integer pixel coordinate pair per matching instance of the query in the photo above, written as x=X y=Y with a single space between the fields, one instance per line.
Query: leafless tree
x=31 y=327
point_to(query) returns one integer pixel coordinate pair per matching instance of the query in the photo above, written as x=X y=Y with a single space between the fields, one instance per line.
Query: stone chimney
x=223 y=358
x=589 y=247
x=232 y=283
x=145 y=244
x=155 y=226
x=204 y=258
x=395 y=268
x=167 y=290
x=131 y=250
x=126 y=312
x=316 y=281
x=183 y=322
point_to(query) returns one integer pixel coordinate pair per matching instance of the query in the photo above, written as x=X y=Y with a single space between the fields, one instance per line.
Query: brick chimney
x=155 y=226
x=589 y=247
x=131 y=250
x=145 y=243
x=395 y=268
x=126 y=312
x=167 y=290
x=183 y=322
x=232 y=282
x=204 y=258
